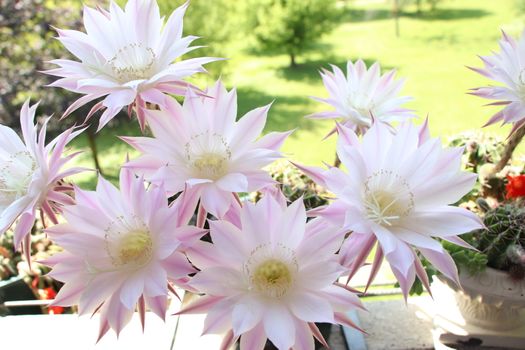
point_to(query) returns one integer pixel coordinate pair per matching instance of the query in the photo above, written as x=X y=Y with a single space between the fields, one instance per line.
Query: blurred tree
x=520 y=6
x=399 y=7
x=291 y=26
x=219 y=24
x=433 y=4
x=26 y=44
x=419 y=4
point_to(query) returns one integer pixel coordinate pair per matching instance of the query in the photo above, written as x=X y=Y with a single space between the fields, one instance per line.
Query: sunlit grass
x=432 y=54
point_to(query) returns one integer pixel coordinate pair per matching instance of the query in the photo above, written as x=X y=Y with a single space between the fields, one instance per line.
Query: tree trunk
x=93 y=146
x=293 y=63
x=396 y=17
x=511 y=145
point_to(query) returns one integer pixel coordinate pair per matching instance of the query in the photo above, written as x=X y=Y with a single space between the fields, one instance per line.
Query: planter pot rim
x=492 y=286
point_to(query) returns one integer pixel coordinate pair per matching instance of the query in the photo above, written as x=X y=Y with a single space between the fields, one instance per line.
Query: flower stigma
x=388 y=198
x=133 y=62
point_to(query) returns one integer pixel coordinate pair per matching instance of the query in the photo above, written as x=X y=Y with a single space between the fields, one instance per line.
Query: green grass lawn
x=431 y=54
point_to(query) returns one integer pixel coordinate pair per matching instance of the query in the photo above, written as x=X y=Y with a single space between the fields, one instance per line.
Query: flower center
x=272 y=275
x=388 y=198
x=128 y=243
x=360 y=106
x=16 y=173
x=271 y=270
x=208 y=154
x=210 y=166
x=133 y=62
x=135 y=247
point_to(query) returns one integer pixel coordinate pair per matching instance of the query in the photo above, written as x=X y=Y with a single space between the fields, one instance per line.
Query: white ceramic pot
x=491 y=299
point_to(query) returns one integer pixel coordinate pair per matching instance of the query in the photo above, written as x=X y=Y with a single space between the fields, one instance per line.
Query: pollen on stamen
x=210 y=165
x=128 y=246
x=271 y=269
x=208 y=155
x=136 y=247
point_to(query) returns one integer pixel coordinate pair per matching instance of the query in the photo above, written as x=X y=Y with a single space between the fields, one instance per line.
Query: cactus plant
x=501 y=245
x=295 y=184
x=503 y=240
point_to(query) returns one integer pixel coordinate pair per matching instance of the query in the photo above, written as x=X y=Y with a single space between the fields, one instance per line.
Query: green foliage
x=520 y=6
x=470 y=260
x=219 y=23
x=26 y=44
x=292 y=26
x=431 y=55
x=420 y=5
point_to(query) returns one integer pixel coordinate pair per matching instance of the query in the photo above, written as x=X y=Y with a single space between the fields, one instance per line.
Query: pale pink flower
x=396 y=191
x=31 y=175
x=120 y=250
x=508 y=69
x=362 y=96
x=273 y=277
x=199 y=145
x=126 y=56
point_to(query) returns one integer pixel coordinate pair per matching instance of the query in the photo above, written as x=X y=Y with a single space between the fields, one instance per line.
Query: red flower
x=516 y=186
x=47 y=294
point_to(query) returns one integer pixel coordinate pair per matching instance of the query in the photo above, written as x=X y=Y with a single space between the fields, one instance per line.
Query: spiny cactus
x=295 y=184
x=503 y=240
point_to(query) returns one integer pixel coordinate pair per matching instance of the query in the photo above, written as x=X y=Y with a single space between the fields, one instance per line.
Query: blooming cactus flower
x=515 y=187
x=507 y=68
x=200 y=146
x=31 y=175
x=363 y=95
x=120 y=249
x=127 y=56
x=271 y=280
x=397 y=192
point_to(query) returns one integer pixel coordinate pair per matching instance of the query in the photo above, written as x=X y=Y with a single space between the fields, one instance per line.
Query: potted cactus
x=493 y=276
x=492 y=263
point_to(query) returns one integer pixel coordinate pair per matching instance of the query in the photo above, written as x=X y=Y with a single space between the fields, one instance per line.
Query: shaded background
x=429 y=42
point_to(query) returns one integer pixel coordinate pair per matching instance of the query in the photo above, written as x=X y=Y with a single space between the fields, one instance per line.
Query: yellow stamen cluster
x=272 y=277
x=135 y=247
x=210 y=166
